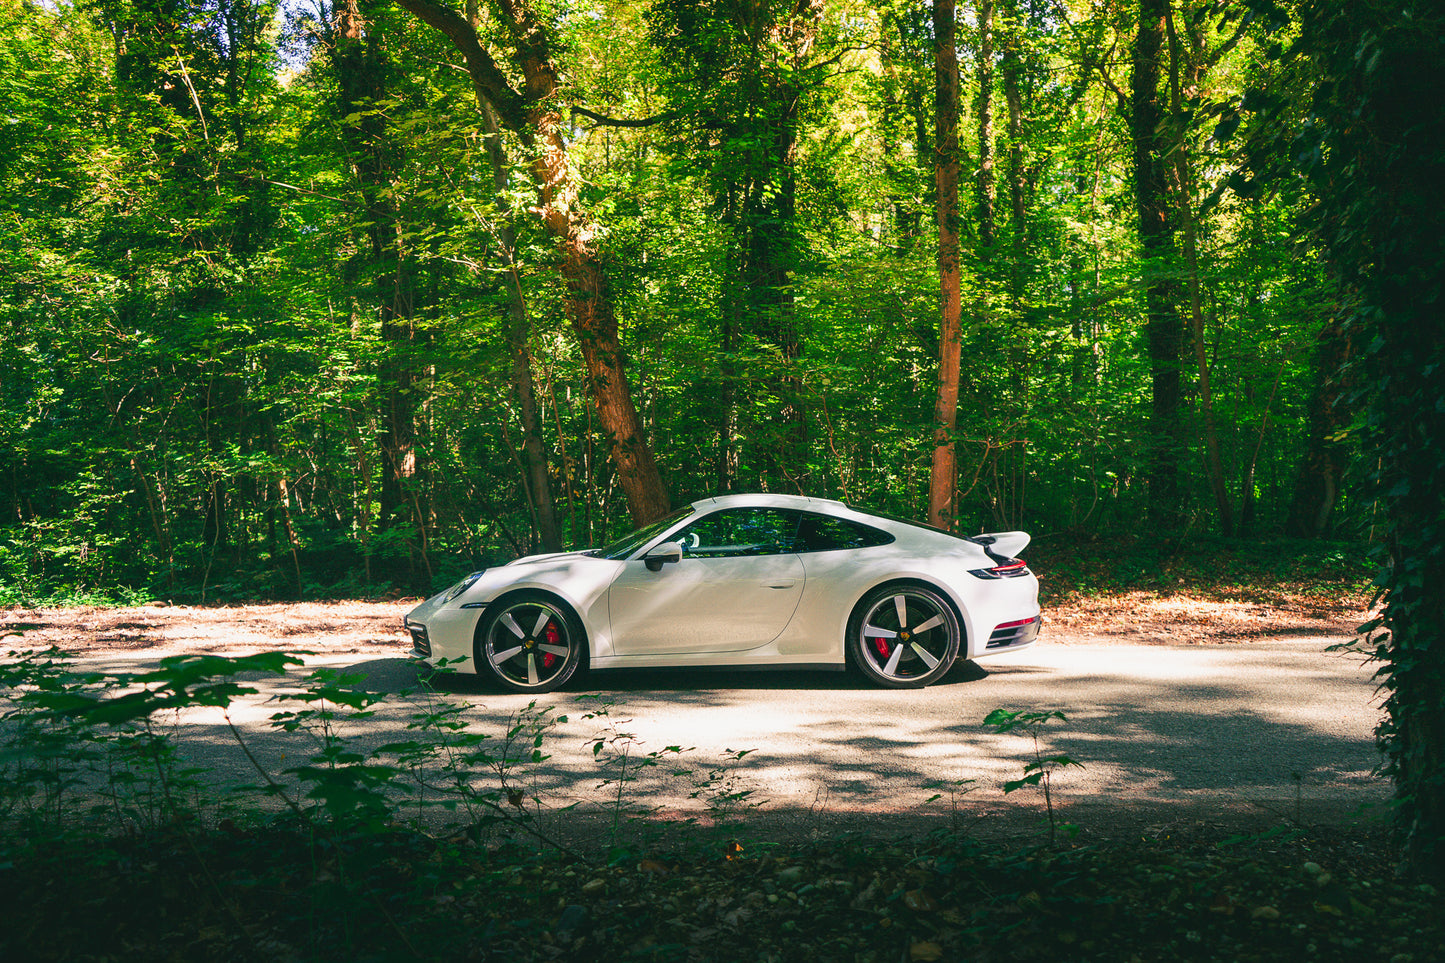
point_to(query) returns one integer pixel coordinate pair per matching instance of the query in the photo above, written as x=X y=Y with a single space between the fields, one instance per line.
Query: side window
x=824 y=533
x=739 y=532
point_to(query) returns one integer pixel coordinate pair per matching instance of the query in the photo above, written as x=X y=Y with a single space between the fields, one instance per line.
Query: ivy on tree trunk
x=1375 y=156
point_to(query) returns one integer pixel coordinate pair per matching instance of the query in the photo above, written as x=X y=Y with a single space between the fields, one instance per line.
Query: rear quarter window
x=825 y=533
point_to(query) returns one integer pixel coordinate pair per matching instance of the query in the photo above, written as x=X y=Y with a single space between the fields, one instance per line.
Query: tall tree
x=906 y=84
x=943 y=478
x=1375 y=156
x=1320 y=474
x=1164 y=328
x=1187 y=62
x=534 y=114
x=743 y=74
x=534 y=455
x=1013 y=66
x=986 y=183
x=384 y=265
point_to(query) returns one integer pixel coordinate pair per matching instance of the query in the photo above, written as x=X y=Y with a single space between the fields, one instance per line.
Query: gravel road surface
x=1247 y=734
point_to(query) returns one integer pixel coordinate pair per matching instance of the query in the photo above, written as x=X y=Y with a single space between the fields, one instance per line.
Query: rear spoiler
x=1001 y=546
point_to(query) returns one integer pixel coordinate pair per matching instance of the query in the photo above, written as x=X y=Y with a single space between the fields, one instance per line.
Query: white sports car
x=742 y=580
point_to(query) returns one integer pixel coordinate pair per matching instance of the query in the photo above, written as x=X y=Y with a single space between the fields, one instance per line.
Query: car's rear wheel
x=904 y=636
x=531 y=642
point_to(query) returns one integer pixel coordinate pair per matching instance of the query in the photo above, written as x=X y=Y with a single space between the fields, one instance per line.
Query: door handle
x=781 y=583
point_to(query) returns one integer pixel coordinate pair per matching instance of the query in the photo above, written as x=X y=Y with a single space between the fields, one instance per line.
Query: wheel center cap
x=904 y=636
x=530 y=644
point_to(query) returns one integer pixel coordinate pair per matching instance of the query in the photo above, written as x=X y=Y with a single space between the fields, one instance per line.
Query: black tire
x=904 y=636
x=530 y=642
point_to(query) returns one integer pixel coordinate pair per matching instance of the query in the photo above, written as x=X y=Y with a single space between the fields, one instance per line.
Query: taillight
x=1012 y=568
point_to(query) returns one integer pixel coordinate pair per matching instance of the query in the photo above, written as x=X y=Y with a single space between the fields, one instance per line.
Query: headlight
x=461 y=586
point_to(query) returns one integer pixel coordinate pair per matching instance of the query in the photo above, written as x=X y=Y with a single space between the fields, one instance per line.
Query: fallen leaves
x=847 y=899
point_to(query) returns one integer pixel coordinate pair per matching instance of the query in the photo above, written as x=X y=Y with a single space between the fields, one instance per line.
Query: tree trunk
x=534 y=115
x=1184 y=194
x=1013 y=68
x=728 y=427
x=1164 y=328
x=535 y=474
x=384 y=267
x=751 y=70
x=942 y=485
x=768 y=247
x=1317 y=480
x=1384 y=154
x=985 y=187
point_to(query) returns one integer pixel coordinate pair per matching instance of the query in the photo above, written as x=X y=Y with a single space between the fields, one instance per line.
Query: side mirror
x=666 y=552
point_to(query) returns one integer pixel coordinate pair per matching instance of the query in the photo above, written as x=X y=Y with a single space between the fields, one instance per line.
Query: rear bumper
x=1013 y=635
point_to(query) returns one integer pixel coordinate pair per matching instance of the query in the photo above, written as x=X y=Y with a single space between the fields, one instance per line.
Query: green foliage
x=1372 y=155
x=1209 y=565
x=227 y=274
x=620 y=757
x=722 y=790
x=1040 y=772
x=413 y=895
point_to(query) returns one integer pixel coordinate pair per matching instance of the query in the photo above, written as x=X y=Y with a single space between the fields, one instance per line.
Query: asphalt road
x=1259 y=731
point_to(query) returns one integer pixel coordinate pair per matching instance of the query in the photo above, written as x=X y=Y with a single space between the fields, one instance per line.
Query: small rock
x=571 y=924
x=790 y=875
x=919 y=901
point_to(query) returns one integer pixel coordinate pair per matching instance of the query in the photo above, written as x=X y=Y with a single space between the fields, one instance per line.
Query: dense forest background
x=344 y=298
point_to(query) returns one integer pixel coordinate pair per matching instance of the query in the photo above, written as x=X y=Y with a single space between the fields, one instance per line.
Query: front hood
x=526 y=560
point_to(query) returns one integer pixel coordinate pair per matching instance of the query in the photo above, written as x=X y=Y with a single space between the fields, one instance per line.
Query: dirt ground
x=374 y=628
x=344 y=627
x=1193 y=617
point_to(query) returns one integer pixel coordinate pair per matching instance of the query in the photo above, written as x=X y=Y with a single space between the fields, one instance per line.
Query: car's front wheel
x=530 y=642
x=904 y=636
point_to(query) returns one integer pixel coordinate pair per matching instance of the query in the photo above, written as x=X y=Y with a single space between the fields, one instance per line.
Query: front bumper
x=420 y=642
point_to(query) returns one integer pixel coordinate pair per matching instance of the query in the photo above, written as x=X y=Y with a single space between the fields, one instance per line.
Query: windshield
x=628 y=544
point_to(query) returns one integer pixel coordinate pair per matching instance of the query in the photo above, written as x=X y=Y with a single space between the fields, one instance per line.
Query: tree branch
x=605 y=121
x=1094 y=63
x=487 y=78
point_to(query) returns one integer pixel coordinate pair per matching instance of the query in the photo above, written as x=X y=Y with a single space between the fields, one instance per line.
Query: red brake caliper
x=553 y=637
x=881 y=644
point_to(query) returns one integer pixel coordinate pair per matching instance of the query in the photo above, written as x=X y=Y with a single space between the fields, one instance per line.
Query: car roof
x=769 y=500
x=891 y=523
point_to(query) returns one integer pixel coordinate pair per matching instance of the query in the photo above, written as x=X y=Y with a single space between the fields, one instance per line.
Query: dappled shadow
x=1279 y=728
x=387 y=675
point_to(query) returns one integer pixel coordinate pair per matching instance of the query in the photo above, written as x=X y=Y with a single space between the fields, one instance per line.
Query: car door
x=735 y=588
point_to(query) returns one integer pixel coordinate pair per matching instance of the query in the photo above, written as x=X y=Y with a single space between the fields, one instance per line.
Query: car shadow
x=708 y=678
x=400 y=675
